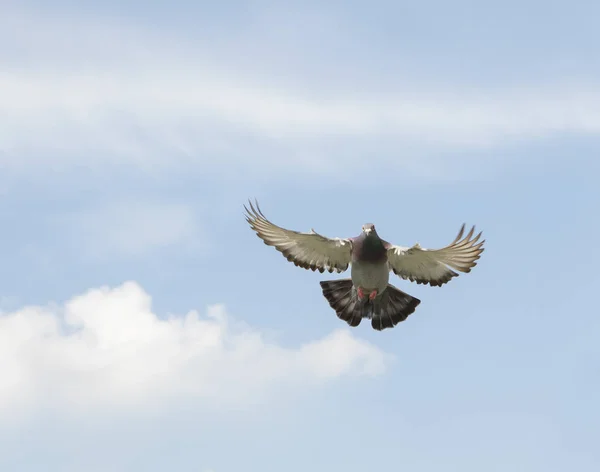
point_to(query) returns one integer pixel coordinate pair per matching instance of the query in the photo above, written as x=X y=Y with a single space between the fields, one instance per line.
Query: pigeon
x=367 y=294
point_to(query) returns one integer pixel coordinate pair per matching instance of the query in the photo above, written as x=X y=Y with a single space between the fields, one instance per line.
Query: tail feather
x=387 y=310
x=393 y=307
x=342 y=298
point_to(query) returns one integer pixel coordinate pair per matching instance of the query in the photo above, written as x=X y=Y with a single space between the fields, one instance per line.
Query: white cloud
x=107 y=94
x=135 y=227
x=106 y=349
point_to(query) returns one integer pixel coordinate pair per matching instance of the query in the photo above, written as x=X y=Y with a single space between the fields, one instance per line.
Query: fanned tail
x=387 y=310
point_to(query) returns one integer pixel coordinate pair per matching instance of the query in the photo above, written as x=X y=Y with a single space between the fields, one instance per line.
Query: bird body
x=368 y=293
x=369 y=268
x=370 y=275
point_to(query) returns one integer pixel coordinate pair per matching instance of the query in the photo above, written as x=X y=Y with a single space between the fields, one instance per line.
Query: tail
x=387 y=310
x=342 y=298
x=392 y=307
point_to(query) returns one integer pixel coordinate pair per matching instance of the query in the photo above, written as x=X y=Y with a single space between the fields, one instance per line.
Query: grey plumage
x=371 y=259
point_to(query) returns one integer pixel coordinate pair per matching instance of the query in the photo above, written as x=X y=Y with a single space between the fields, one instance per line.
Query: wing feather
x=307 y=250
x=435 y=266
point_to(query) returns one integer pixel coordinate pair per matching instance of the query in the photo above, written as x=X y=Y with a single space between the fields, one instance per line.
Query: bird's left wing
x=307 y=250
x=434 y=266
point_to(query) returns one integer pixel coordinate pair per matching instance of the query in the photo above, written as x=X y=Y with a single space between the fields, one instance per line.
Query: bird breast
x=370 y=275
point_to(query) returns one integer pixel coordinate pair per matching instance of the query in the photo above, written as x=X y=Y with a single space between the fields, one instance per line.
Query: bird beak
x=367 y=230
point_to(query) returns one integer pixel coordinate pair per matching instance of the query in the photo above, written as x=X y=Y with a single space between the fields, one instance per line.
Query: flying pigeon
x=367 y=294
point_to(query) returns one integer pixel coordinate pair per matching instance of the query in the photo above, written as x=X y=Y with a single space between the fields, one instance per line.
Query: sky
x=144 y=327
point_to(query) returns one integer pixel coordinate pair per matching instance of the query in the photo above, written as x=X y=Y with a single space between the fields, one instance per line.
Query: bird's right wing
x=307 y=250
x=434 y=266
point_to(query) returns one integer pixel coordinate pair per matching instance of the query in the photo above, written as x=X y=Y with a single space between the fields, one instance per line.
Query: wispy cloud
x=148 y=100
x=106 y=349
x=133 y=228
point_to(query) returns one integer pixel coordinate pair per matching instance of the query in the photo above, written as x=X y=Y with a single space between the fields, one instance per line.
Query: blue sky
x=143 y=325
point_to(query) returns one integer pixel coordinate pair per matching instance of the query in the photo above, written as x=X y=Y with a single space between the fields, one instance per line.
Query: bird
x=367 y=294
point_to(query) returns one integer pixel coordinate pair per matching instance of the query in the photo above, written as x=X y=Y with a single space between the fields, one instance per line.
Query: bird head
x=369 y=229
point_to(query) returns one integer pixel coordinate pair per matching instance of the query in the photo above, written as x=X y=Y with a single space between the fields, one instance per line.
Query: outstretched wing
x=434 y=266
x=307 y=250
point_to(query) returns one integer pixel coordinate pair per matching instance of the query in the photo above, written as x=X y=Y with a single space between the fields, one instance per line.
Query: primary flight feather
x=367 y=293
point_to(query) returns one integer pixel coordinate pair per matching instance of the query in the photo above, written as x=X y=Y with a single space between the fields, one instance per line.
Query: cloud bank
x=106 y=349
